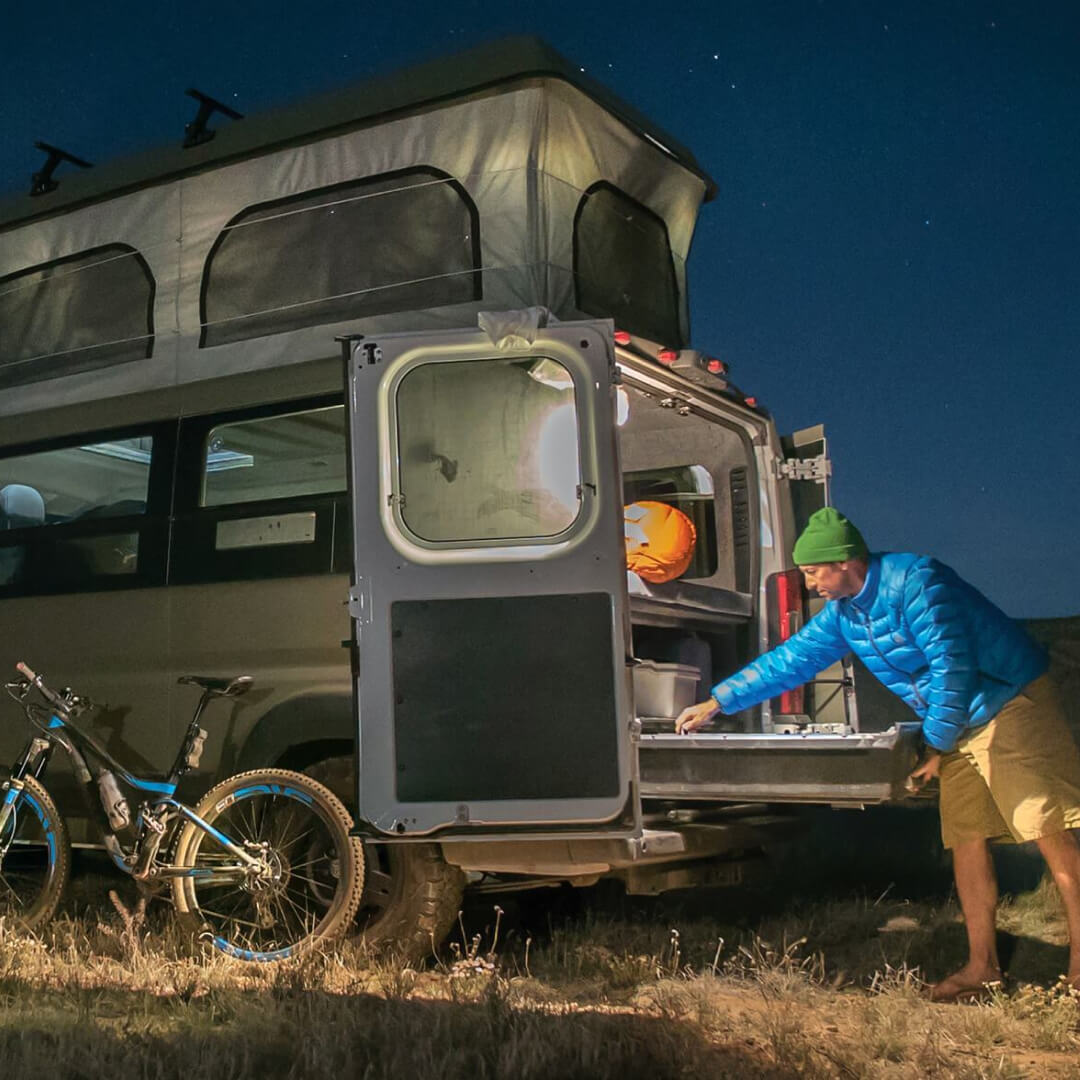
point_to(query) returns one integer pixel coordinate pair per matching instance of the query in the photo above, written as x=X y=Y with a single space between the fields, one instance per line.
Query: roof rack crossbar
x=42 y=182
x=196 y=132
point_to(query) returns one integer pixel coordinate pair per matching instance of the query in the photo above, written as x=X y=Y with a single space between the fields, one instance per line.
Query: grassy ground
x=560 y=984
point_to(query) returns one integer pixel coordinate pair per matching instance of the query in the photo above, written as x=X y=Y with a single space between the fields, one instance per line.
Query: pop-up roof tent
x=492 y=180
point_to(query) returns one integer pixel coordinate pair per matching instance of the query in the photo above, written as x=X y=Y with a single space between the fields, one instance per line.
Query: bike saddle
x=220 y=687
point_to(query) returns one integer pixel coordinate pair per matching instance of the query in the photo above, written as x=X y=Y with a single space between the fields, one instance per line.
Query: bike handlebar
x=49 y=695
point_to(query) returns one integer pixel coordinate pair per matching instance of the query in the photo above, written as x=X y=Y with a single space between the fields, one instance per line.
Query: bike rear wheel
x=35 y=858
x=313 y=876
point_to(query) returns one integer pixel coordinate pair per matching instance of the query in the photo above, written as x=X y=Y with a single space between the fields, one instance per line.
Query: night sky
x=893 y=250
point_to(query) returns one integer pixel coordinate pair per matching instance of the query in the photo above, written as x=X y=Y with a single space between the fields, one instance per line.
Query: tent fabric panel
x=524 y=157
x=492 y=68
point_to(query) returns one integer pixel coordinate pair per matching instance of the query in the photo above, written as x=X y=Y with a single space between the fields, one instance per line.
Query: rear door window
x=487 y=451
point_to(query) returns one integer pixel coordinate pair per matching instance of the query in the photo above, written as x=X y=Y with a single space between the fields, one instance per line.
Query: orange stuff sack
x=659 y=541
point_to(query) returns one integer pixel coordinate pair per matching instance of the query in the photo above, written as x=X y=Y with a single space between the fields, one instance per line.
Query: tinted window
x=275 y=457
x=75 y=314
x=66 y=516
x=98 y=480
x=623 y=268
x=398 y=242
x=488 y=450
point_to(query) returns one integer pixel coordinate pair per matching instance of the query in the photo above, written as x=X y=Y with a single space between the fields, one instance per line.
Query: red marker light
x=622 y=337
x=751 y=401
x=715 y=367
x=667 y=356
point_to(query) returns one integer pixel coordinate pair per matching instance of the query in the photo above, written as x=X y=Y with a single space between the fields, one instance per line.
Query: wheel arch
x=299 y=732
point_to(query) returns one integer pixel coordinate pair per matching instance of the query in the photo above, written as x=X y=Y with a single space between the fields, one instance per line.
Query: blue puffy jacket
x=930 y=637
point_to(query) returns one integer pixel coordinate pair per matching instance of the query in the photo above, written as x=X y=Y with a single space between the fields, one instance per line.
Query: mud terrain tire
x=412 y=895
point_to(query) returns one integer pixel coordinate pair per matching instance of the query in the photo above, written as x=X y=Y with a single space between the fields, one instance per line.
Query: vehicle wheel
x=412 y=895
x=315 y=872
x=35 y=858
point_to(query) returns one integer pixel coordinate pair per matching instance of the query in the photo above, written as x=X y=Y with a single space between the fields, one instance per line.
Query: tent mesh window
x=623 y=267
x=79 y=313
x=396 y=242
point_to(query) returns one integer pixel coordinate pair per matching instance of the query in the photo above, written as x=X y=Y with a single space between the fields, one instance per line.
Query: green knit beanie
x=828 y=537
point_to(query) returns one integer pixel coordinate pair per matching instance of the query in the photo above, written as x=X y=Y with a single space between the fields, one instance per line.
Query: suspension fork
x=7 y=807
x=33 y=761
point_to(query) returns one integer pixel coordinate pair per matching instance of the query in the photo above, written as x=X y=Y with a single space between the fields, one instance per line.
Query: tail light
x=786 y=598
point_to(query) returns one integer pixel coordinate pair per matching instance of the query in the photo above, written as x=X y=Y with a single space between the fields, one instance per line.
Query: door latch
x=818 y=469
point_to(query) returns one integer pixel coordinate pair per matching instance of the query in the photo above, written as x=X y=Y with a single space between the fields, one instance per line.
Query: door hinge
x=818 y=469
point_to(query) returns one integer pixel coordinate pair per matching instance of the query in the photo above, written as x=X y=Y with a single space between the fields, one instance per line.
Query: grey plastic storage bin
x=664 y=689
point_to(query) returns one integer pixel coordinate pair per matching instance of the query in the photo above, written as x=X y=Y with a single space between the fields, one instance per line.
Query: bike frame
x=141 y=860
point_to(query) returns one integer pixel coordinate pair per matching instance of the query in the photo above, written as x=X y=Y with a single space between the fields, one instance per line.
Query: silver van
x=353 y=398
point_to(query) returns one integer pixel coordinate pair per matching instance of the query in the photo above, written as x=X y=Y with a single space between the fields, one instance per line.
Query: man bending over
x=992 y=718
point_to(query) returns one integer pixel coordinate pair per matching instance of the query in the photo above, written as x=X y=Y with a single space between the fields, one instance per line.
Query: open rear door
x=489 y=596
x=808 y=470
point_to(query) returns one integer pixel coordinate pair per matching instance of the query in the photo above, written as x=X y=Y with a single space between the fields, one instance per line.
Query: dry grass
x=618 y=990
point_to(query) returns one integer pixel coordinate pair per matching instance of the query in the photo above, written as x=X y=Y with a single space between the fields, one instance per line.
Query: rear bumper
x=724 y=832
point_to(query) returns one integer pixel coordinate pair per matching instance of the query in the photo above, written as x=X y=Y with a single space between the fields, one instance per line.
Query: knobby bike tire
x=36 y=860
x=318 y=867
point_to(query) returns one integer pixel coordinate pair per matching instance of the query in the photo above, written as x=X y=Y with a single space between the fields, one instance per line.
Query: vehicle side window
x=71 y=516
x=487 y=451
x=275 y=457
x=95 y=480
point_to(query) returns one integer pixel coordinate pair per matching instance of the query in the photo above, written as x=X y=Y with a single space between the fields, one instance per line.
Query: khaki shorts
x=1016 y=778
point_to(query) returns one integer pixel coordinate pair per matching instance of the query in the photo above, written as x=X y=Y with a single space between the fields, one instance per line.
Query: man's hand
x=929 y=770
x=695 y=716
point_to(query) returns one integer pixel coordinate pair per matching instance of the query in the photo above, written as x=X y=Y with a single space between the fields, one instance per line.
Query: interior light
x=122 y=451
x=622 y=405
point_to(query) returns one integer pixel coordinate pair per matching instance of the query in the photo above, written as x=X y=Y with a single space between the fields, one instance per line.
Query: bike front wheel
x=307 y=888
x=35 y=857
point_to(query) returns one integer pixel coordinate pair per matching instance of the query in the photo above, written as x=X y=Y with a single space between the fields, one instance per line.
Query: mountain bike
x=264 y=867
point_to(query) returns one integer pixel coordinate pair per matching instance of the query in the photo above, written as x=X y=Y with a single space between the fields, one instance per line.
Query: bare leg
x=976 y=885
x=1062 y=855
